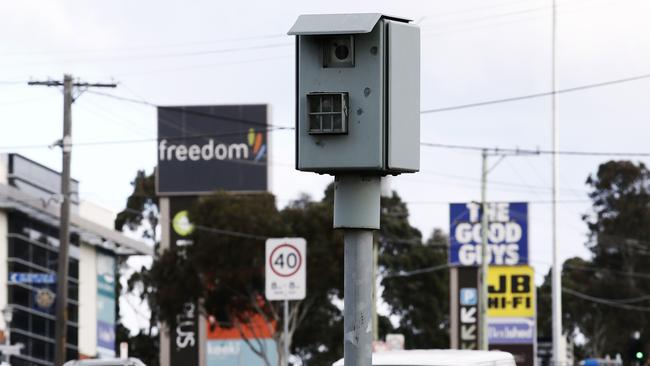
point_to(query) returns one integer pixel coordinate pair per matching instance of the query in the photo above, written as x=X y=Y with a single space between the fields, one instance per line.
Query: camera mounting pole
x=356 y=211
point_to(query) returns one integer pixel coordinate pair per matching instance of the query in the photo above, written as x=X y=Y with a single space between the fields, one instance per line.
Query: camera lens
x=342 y=52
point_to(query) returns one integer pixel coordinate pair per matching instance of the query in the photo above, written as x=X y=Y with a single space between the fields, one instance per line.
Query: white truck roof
x=443 y=357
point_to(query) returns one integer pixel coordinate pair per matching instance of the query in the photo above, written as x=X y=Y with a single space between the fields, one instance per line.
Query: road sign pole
x=285 y=279
x=286 y=333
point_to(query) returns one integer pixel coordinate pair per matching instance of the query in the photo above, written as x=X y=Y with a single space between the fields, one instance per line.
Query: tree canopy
x=224 y=268
x=605 y=297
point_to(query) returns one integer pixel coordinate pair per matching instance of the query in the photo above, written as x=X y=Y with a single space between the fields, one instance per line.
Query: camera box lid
x=322 y=24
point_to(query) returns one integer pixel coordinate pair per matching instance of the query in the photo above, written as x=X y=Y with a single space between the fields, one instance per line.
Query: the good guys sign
x=507 y=233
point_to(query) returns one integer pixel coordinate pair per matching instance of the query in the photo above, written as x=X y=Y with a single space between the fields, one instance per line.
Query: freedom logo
x=253 y=149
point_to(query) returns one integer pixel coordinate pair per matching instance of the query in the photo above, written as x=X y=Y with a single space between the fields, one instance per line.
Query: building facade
x=29 y=242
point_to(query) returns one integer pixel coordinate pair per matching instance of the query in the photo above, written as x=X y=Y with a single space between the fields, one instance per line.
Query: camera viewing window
x=328 y=113
x=338 y=52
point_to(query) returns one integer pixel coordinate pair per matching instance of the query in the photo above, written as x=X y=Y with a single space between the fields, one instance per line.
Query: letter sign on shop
x=203 y=149
x=286 y=261
x=507 y=233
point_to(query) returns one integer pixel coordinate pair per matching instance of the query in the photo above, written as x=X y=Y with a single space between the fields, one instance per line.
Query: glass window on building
x=33 y=248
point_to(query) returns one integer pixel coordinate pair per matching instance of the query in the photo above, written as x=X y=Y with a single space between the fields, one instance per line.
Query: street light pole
x=485 y=258
x=556 y=271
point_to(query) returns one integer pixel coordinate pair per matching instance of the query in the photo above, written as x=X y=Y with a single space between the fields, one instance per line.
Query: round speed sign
x=285 y=260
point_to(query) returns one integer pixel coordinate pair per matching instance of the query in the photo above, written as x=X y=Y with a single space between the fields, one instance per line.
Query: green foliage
x=143 y=346
x=619 y=240
x=319 y=339
x=225 y=269
x=141 y=213
x=421 y=301
x=229 y=268
x=141 y=205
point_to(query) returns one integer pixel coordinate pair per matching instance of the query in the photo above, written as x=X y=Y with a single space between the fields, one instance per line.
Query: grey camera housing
x=357 y=94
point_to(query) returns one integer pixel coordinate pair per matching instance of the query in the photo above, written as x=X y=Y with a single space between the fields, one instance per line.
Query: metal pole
x=286 y=332
x=357 y=322
x=556 y=270
x=375 y=266
x=8 y=340
x=61 y=333
x=485 y=258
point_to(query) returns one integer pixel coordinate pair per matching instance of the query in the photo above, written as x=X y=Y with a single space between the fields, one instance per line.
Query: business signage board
x=184 y=332
x=227 y=346
x=285 y=269
x=468 y=308
x=511 y=291
x=507 y=233
x=32 y=278
x=512 y=312
x=511 y=331
x=106 y=294
x=203 y=149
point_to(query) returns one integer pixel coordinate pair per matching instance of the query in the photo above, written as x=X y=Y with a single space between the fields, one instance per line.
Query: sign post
x=286 y=277
x=504 y=318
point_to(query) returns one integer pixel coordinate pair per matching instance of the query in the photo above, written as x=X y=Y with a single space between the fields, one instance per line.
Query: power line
x=188 y=111
x=607 y=302
x=165 y=55
x=417 y=271
x=600 y=269
x=145 y=47
x=497 y=150
x=471 y=105
x=533 y=96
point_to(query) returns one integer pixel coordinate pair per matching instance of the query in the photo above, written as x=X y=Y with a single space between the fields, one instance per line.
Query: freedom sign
x=507 y=233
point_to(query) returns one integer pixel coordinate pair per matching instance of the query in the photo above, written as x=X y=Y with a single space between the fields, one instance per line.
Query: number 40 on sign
x=285 y=274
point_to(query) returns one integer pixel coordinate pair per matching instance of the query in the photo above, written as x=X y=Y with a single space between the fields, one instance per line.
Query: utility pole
x=485 y=258
x=556 y=271
x=485 y=251
x=61 y=329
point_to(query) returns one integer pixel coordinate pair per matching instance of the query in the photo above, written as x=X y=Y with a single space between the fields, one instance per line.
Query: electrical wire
x=417 y=271
x=607 y=302
x=188 y=111
x=497 y=150
x=147 y=47
x=162 y=55
x=535 y=95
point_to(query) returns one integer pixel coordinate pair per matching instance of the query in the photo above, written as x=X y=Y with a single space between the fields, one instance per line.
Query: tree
x=319 y=339
x=605 y=297
x=420 y=299
x=224 y=269
x=141 y=214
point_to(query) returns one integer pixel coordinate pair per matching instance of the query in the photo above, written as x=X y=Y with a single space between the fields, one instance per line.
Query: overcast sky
x=229 y=52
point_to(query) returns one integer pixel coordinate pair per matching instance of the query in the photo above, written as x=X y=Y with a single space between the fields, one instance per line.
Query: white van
x=440 y=357
x=106 y=362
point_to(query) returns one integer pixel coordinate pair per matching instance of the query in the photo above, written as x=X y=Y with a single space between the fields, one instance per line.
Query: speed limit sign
x=286 y=269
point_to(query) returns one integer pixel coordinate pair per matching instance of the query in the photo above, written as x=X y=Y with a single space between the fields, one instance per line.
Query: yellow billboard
x=511 y=291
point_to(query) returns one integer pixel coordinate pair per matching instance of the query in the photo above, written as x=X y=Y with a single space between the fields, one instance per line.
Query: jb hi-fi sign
x=210 y=148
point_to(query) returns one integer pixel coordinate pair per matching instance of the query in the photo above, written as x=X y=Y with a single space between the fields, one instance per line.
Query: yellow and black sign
x=511 y=291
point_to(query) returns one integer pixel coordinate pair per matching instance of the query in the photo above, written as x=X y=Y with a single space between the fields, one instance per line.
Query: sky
x=209 y=52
